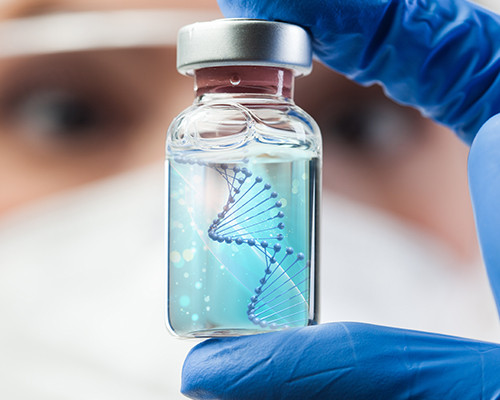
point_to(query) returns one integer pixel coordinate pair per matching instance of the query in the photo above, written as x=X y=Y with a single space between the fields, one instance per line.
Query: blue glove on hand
x=343 y=361
x=442 y=56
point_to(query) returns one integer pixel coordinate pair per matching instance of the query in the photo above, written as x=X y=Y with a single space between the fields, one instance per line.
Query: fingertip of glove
x=236 y=9
x=226 y=7
x=484 y=135
x=196 y=371
x=213 y=365
x=216 y=364
x=484 y=174
x=484 y=155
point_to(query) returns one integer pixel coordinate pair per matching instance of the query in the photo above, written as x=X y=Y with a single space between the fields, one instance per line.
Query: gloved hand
x=442 y=56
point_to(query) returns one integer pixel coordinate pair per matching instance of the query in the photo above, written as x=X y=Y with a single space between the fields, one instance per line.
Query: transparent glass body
x=243 y=171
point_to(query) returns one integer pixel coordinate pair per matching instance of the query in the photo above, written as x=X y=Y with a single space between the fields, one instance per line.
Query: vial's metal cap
x=236 y=41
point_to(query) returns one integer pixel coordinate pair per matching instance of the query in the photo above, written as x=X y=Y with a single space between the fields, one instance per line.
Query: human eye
x=67 y=102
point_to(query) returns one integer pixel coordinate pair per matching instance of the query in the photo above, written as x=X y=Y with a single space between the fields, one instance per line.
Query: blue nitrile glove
x=444 y=57
x=343 y=361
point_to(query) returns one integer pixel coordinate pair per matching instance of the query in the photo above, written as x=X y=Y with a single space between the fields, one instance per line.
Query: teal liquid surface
x=240 y=245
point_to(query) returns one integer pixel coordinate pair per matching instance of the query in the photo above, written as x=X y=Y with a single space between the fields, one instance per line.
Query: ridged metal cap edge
x=235 y=41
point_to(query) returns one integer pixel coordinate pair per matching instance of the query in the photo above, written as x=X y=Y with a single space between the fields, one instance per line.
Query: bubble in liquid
x=186 y=275
x=188 y=254
x=194 y=317
x=198 y=285
x=283 y=202
x=175 y=256
x=184 y=301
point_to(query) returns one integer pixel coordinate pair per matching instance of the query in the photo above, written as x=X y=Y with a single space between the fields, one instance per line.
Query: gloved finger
x=343 y=361
x=441 y=56
x=484 y=183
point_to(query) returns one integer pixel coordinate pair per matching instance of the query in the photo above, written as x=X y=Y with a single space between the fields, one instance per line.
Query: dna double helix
x=253 y=216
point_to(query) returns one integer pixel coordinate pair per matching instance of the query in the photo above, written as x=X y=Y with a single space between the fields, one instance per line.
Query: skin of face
x=72 y=118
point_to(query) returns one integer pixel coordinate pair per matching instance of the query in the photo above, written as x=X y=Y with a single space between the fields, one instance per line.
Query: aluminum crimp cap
x=238 y=41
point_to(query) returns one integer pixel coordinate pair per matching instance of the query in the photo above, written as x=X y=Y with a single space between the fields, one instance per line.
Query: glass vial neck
x=244 y=80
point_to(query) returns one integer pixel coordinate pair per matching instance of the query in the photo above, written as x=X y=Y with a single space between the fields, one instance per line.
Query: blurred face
x=70 y=118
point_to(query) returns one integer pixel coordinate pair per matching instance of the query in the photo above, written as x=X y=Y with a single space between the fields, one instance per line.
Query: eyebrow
x=58 y=32
x=29 y=8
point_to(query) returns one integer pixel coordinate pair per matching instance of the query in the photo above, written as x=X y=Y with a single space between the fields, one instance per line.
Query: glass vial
x=243 y=184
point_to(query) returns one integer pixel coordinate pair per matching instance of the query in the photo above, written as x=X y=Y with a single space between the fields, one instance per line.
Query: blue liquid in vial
x=240 y=245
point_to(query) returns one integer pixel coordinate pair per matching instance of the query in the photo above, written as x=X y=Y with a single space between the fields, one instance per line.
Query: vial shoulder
x=230 y=123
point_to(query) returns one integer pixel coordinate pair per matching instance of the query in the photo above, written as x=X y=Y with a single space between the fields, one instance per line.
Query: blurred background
x=87 y=91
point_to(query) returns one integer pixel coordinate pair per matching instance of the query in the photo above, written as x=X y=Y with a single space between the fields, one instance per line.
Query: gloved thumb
x=484 y=183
